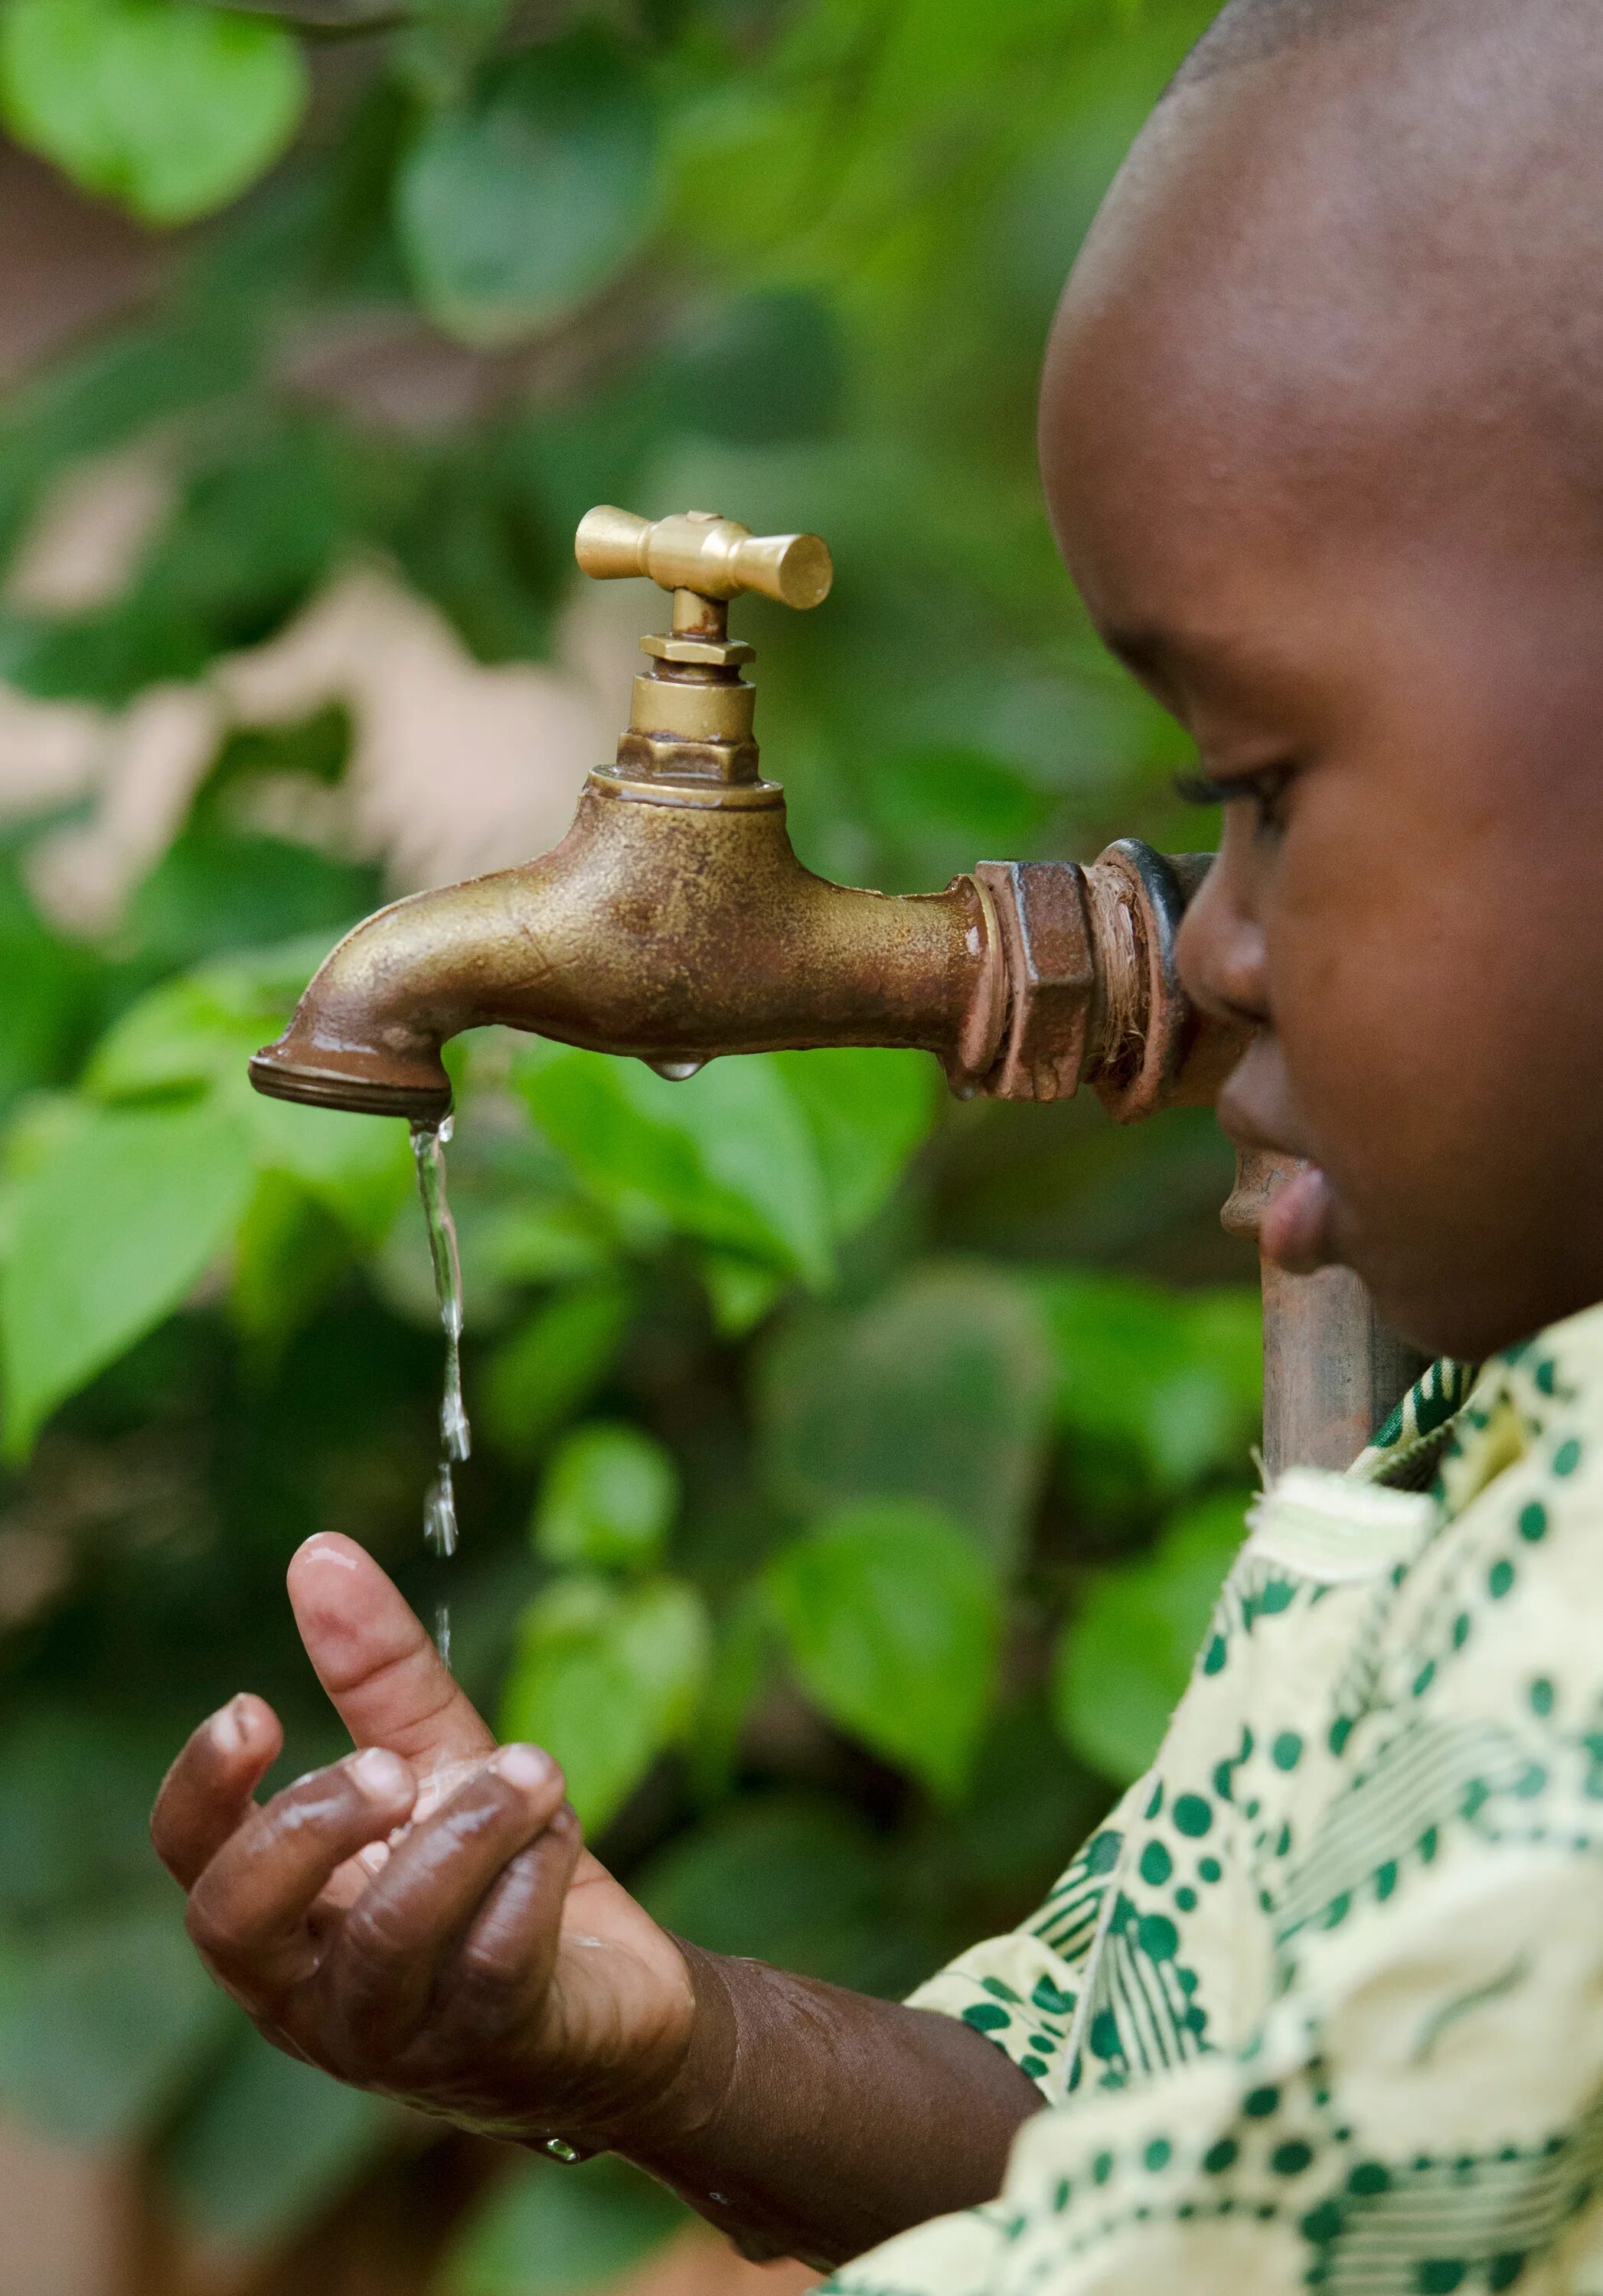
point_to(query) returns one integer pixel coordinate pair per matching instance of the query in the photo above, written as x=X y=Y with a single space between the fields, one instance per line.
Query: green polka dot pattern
x=1399 y=1698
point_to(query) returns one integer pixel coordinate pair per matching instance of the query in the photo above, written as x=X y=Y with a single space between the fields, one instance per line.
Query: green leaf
x=108 y=1238
x=893 y=1620
x=253 y=536
x=867 y=1112
x=740 y=1292
x=551 y=1240
x=107 y=394
x=804 y=1884
x=100 y=2026
x=938 y=1390
x=184 y=1037
x=1176 y=1377
x=268 y=2145
x=202 y=1029
x=359 y=1168
x=765 y=368
x=215 y=890
x=607 y=1677
x=744 y=1662
x=1127 y=1654
x=1026 y=1809
x=288 y=1254
x=939 y=810
x=75 y=1804
x=521 y=204
x=169 y=109
x=543 y=2231
x=728 y=1158
x=551 y=1366
x=52 y=993
x=609 y=1499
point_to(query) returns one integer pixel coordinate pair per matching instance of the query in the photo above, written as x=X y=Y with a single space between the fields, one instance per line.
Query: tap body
x=674 y=922
x=671 y=924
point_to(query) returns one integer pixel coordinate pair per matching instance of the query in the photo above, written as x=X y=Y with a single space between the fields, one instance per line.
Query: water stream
x=439 y=1507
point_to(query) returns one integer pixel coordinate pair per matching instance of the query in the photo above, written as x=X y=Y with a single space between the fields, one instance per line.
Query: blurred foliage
x=855 y=1470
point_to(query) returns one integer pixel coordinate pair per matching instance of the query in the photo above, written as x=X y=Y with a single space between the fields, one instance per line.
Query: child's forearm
x=813 y=2123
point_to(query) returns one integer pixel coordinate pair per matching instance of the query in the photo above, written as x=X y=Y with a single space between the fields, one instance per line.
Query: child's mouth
x=1295 y=1233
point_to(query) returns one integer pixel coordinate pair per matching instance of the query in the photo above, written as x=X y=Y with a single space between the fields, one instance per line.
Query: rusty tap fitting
x=674 y=922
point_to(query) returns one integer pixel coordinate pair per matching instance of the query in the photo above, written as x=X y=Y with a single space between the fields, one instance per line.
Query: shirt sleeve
x=1022 y=1989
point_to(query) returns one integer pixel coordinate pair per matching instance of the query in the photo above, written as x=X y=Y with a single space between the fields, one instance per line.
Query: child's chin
x=1298 y=1230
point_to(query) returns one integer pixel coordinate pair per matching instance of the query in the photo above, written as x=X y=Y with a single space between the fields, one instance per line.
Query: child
x=1322 y=2005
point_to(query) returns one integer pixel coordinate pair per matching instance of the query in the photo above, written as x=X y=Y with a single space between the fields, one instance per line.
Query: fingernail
x=317 y=1545
x=227 y=1728
x=381 y=1775
x=521 y=1765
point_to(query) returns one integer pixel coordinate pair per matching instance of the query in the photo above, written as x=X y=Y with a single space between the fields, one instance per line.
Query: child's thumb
x=375 y=1660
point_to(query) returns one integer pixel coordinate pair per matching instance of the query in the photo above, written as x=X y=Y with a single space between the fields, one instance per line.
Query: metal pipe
x=1332 y=1371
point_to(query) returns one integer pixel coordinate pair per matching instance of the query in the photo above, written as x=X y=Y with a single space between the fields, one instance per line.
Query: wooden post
x=1332 y=1371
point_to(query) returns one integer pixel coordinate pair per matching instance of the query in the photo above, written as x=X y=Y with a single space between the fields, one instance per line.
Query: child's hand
x=487 y=1967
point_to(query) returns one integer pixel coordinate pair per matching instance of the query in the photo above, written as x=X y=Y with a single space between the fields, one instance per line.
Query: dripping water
x=439 y=1507
x=677 y=1072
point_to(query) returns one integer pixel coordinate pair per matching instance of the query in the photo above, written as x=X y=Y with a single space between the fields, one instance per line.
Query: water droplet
x=677 y=1072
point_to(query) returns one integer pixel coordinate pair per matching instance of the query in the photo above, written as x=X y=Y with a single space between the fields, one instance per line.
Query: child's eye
x=1265 y=790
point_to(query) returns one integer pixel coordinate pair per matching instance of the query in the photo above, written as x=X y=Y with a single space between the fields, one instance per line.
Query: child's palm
x=450 y=1943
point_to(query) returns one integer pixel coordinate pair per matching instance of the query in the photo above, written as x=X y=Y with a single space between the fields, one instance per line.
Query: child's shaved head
x=1440 y=166
x=1246 y=31
x=1322 y=429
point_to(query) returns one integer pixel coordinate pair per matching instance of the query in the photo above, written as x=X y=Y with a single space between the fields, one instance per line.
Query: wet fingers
x=505 y=1962
x=396 y=1945
x=248 y=1911
x=208 y=1789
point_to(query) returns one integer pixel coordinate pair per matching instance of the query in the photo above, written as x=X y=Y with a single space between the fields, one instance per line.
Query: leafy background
x=854 y=1469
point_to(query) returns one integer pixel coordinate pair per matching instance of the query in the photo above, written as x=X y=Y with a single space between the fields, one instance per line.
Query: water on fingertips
x=439 y=1507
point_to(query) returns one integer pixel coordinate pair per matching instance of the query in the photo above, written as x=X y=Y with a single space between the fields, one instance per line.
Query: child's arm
x=489 y=1970
x=810 y=2120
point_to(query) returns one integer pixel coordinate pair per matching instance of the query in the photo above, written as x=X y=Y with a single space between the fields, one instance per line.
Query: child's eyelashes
x=1197 y=789
x=1264 y=791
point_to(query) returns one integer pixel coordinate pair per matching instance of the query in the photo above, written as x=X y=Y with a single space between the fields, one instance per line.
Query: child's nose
x=1220 y=951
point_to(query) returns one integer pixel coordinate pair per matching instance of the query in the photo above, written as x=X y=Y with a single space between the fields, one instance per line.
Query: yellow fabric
x=1321 y=2004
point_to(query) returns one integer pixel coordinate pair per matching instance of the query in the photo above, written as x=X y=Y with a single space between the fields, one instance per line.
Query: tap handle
x=698 y=551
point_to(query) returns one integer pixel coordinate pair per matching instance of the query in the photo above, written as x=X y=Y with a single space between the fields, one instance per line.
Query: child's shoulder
x=1508 y=1585
x=1473 y=1689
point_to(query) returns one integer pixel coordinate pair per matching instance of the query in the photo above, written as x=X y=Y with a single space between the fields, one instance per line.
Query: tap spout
x=674 y=922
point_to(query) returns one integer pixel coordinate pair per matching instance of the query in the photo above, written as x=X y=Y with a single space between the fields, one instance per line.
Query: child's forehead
x=1322 y=298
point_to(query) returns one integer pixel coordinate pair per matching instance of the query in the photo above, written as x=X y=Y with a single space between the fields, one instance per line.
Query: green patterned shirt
x=1321 y=2004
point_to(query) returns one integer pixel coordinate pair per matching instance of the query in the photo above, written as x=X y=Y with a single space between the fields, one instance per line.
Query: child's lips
x=1295 y=1232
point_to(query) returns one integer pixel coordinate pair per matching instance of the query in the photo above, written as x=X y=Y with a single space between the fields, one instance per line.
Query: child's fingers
x=505 y=1962
x=248 y=1911
x=376 y=1661
x=208 y=1788
x=380 y=1973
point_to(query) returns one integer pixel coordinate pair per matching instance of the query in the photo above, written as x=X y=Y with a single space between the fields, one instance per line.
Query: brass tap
x=674 y=922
